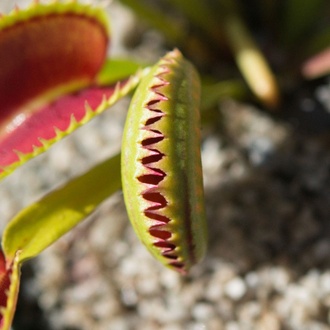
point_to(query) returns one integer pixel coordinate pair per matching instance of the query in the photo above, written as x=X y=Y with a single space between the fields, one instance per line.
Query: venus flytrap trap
x=161 y=164
x=54 y=78
x=45 y=71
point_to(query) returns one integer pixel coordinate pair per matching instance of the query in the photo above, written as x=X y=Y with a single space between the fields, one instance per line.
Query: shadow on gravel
x=278 y=212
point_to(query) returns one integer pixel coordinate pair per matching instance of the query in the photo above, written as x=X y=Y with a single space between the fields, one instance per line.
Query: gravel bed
x=268 y=208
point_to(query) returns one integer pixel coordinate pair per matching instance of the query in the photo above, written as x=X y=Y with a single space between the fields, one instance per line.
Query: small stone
x=197 y=326
x=280 y=278
x=311 y=281
x=117 y=323
x=151 y=309
x=147 y=286
x=192 y=292
x=225 y=274
x=252 y=279
x=213 y=291
x=129 y=296
x=105 y=308
x=235 y=289
x=325 y=284
x=74 y=315
x=232 y=326
x=249 y=311
x=172 y=327
x=225 y=308
x=269 y=321
x=170 y=279
x=214 y=324
x=129 y=266
x=202 y=311
x=174 y=310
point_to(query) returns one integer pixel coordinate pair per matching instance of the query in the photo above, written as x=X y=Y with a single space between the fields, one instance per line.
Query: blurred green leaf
x=213 y=93
x=42 y=223
x=200 y=14
x=299 y=17
x=269 y=11
x=319 y=42
x=171 y=27
x=115 y=70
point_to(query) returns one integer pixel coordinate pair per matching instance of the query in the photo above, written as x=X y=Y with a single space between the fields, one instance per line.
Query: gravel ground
x=267 y=197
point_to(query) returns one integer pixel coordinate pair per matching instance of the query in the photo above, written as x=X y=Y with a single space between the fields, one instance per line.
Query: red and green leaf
x=53 y=76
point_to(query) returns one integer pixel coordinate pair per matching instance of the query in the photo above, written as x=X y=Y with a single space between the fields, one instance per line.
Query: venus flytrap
x=161 y=164
x=54 y=78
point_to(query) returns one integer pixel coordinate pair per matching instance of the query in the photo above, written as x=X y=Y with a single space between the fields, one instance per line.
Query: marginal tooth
x=150 y=153
x=3 y=310
x=116 y=92
x=20 y=154
x=6 y=169
x=89 y=111
x=150 y=138
x=44 y=142
x=35 y=149
x=134 y=79
x=166 y=70
x=154 y=171
x=73 y=123
x=170 y=60
x=130 y=84
x=58 y=132
x=151 y=158
x=1 y=15
x=16 y=9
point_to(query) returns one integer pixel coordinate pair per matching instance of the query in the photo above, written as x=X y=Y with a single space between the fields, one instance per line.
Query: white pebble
x=252 y=279
x=172 y=327
x=325 y=283
x=235 y=289
x=202 y=311
x=118 y=324
x=197 y=326
x=232 y=326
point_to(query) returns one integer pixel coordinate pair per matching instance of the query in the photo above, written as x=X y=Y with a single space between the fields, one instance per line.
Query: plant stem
x=251 y=62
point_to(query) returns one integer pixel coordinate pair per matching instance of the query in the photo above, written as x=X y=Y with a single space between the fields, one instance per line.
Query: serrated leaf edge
x=119 y=92
x=37 y=9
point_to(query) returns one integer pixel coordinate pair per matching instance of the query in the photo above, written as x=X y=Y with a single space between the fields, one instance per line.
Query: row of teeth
x=156 y=175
